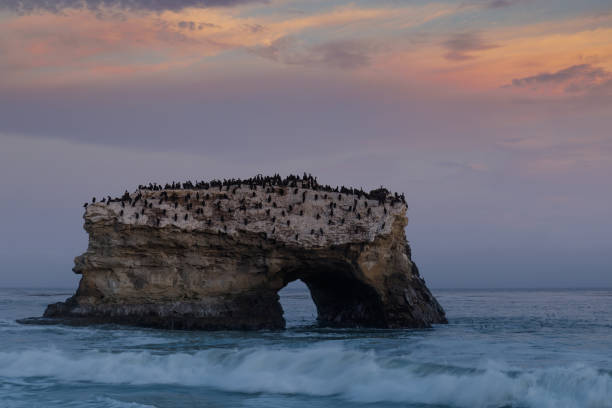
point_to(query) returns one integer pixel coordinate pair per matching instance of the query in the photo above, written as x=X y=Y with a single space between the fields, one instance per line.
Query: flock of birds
x=213 y=193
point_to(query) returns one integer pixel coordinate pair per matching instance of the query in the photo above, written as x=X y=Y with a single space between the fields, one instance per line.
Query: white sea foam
x=325 y=370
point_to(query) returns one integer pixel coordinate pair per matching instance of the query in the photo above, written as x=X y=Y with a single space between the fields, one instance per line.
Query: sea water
x=501 y=348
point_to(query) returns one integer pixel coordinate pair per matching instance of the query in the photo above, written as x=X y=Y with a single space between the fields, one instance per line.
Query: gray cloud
x=194 y=25
x=56 y=6
x=334 y=54
x=460 y=45
x=577 y=78
x=502 y=3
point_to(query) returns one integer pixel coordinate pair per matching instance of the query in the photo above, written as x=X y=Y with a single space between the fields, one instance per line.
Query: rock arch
x=223 y=265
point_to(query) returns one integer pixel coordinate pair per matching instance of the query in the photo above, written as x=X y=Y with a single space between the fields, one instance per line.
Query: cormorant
x=311 y=231
x=164 y=211
x=296 y=236
x=246 y=221
x=288 y=222
x=186 y=215
x=301 y=212
x=358 y=216
x=85 y=205
x=121 y=213
x=175 y=217
x=93 y=200
x=137 y=216
x=321 y=231
x=318 y=216
x=273 y=219
x=383 y=226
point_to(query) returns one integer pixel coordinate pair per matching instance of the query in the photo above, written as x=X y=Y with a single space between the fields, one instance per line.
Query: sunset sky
x=494 y=117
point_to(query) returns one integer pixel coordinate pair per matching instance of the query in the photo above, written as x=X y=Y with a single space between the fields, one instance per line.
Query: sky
x=494 y=117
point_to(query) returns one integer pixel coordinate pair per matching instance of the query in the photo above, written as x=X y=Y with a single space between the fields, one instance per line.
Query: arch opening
x=298 y=307
x=341 y=299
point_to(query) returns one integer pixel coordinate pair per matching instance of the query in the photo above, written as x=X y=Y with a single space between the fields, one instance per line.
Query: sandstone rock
x=221 y=263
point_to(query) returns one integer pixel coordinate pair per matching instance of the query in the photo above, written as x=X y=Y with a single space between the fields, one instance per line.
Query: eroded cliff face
x=216 y=259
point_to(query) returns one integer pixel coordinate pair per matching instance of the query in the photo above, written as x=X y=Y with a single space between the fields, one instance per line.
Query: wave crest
x=324 y=370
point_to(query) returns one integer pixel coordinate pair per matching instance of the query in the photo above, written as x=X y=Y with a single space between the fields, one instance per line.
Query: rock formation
x=215 y=255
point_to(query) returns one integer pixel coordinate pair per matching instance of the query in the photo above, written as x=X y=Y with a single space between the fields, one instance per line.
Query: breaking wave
x=324 y=370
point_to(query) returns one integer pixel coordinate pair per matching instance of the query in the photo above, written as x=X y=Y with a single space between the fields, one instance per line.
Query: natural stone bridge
x=215 y=255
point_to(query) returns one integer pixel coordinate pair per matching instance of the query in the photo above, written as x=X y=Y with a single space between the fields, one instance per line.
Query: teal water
x=534 y=348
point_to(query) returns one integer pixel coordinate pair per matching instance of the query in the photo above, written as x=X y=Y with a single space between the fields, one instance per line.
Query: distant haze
x=494 y=118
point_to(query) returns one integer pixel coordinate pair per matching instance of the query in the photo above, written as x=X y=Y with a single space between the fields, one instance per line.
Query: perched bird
x=186 y=216
x=175 y=217
x=85 y=205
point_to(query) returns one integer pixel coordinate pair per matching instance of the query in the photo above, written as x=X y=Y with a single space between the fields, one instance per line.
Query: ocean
x=502 y=348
